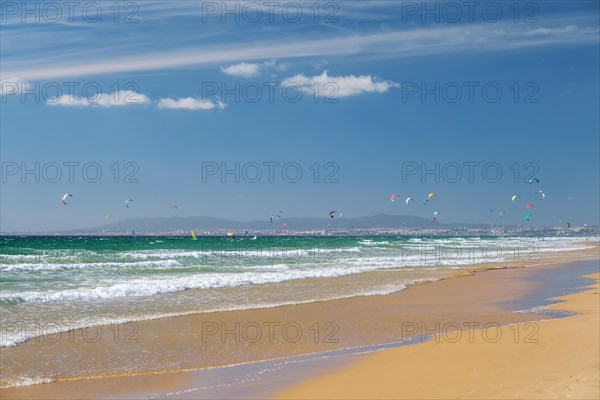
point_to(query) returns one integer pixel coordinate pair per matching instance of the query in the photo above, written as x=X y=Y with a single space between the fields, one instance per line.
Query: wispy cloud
x=131 y=98
x=250 y=70
x=116 y=99
x=190 y=103
x=340 y=86
x=276 y=66
x=12 y=86
x=243 y=69
x=474 y=38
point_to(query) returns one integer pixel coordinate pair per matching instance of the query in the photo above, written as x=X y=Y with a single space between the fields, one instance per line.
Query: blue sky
x=178 y=91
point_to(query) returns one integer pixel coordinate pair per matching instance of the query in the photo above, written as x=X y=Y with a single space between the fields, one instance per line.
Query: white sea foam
x=369 y=242
x=88 y=265
x=23 y=381
x=237 y=271
x=8 y=339
x=152 y=285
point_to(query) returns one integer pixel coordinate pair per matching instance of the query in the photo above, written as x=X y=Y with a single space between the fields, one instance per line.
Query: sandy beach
x=299 y=200
x=470 y=299
x=546 y=360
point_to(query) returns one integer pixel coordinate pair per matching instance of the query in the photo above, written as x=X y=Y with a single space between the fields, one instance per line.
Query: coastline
x=360 y=321
x=549 y=359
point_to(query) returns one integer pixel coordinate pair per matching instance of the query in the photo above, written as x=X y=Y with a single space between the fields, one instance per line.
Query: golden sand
x=546 y=360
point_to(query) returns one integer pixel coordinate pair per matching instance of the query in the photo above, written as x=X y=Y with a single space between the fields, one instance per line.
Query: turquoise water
x=81 y=281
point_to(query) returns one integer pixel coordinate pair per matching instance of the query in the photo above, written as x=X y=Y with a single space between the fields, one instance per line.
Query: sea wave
x=88 y=265
x=148 y=286
x=12 y=339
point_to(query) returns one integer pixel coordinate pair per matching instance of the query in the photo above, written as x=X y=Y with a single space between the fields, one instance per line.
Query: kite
x=174 y=207
x=431 y=195
x=393 y=196
x=127 y=203
x=108 y=216
x=514 y=197
x=529 y=205
x=527 y=217
x=409 y=199
x=64 y=198
x=272 y=216
x=332 y=213
x=542 y=193
x=534 y=180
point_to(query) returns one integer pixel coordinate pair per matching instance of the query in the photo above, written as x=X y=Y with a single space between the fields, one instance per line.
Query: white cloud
x=68 y=101
x=123 y=98
x=128 y=97
x=273 y=64
x=340 y=86
x=244 y=69
x=190 y=103
x=251 y=70
x=115 y=99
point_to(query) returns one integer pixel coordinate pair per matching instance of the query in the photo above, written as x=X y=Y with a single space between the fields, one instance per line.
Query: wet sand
x=543 y=360
x=199 y=341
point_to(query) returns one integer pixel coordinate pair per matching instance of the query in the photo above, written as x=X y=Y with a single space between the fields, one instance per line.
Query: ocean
x=62 y=283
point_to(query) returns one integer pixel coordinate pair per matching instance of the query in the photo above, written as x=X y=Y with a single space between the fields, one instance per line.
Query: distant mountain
x=212 y=223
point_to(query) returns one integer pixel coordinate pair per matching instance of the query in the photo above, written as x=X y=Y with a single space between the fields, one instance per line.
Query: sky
x=240 y=109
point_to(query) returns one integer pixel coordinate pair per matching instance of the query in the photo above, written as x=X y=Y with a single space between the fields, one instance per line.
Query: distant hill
x=208 y=223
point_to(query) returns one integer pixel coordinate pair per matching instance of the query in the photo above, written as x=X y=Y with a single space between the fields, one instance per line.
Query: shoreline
x=354 y=332
x=405 y=277
x=549 y=364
